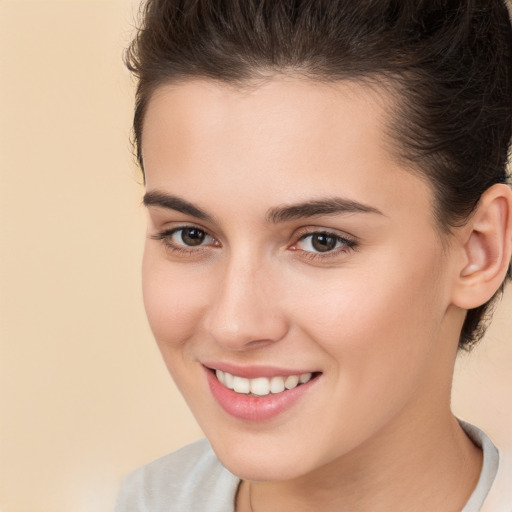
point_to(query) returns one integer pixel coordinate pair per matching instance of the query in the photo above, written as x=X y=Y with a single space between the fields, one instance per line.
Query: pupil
x=192 y=236
x=323 y=242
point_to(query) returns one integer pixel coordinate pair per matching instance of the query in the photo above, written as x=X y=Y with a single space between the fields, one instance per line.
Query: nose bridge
x=245 y=309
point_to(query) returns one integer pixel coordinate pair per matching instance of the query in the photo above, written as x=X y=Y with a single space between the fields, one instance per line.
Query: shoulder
x=500 y=495
x=191 y=478
x=494 y=489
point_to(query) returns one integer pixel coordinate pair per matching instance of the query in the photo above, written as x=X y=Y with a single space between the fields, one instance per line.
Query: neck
x=437 y=467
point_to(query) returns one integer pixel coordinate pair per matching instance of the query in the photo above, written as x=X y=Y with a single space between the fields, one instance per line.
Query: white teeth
x=228 y=380
x=241 y=385
x=277 y=384
x=305 y=377
x=261 y=386
x=291 y=381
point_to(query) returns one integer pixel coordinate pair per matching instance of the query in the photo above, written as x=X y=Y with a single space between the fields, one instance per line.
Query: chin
x=257 y=464
x=261 y=471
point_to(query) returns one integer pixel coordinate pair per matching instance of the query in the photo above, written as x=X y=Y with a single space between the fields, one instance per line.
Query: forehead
x=277 y=109
x=281 y=141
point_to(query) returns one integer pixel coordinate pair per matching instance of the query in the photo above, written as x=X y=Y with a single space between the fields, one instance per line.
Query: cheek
x=374 y=323
x=172 y=299
x=380 y=338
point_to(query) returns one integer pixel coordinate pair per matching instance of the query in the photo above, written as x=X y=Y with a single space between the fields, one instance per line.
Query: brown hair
x=449 y=60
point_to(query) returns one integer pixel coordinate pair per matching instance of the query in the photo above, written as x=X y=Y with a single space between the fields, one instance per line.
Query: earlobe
x=487 y=247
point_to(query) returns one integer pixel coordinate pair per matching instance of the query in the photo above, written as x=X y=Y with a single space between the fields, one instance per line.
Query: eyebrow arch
x=328 y=206
x=170 y=202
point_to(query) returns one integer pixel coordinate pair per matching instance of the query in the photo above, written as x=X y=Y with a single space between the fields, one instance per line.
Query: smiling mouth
x=262 y=386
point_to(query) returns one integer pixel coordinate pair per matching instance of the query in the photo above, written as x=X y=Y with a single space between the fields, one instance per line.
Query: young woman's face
x=284 y=240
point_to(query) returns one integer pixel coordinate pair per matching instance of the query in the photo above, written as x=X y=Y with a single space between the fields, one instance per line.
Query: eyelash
x=347 y=244
x=166 y=238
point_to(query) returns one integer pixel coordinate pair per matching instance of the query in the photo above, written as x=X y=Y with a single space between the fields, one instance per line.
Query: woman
x=329 y=223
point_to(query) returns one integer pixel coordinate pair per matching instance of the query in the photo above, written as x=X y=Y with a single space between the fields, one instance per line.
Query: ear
x=486 y=247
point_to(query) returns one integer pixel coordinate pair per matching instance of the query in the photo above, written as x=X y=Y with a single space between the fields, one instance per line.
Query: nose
x=245 y=311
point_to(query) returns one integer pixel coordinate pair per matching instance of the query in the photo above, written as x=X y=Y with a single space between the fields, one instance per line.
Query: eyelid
x=171 y=227
x=164 y=235
x=311 y=230
x=349 y=242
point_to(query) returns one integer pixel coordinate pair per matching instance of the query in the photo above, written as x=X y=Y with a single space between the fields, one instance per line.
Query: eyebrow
x=163 y=200
x=328 y=206
x=285 y=213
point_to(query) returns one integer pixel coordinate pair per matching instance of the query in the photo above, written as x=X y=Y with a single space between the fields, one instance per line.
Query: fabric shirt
x=193 y=480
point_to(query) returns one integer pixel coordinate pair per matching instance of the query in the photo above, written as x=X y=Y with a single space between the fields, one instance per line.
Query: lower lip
x=256 y=408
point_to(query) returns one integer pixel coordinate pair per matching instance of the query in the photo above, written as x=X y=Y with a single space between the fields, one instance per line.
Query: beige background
x=84 y=397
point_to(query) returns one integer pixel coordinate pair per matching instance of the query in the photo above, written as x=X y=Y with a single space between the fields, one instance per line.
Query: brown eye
x=192 y=236
x=186 y=239
x=323 y=242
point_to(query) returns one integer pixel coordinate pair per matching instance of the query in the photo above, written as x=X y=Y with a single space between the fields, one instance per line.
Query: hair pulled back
x=448 y=61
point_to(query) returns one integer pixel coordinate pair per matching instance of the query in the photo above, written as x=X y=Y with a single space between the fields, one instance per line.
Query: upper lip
x=254 y=371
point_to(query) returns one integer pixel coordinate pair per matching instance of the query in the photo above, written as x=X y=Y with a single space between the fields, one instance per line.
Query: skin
x=378 y=320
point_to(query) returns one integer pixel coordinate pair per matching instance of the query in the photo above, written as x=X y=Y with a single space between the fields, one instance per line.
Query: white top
x=193 y=480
